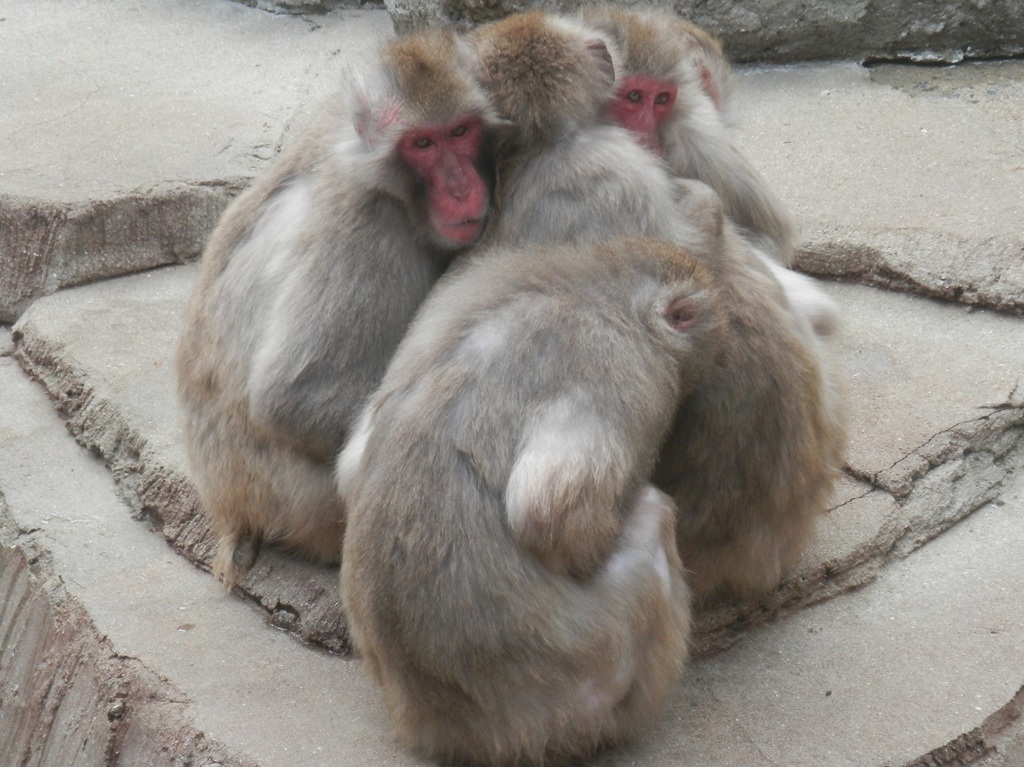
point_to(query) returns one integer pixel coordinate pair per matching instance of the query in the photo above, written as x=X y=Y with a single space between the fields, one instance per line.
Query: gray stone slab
x=255 y=691
x=122 y=336
x=904 y=177
x=121 y=140
x=875 y=677
x=100 y=98
x=786 y=30
x=66 y=695
x=127 y=128
x=879 y=676
x=936 y=412
x=996 y=742
x=917 y=368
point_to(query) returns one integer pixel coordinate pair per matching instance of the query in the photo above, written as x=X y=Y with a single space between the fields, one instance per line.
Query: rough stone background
x=773 y=30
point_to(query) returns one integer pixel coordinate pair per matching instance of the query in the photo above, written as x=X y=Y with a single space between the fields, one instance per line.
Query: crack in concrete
x=863 y=494
x=968 y=748
x=848 y=255
x=74 y=110
x=953 y=432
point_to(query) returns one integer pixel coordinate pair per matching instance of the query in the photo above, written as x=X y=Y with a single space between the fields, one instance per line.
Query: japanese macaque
x=308 y=283
x=752 y=459
x=569 y=173
x=509 y=577
x=672 y=92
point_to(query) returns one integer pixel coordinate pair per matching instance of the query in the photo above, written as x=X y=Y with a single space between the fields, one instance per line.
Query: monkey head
x=430 y=120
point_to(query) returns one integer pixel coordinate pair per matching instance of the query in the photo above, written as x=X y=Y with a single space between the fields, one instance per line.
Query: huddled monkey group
x=511 y=333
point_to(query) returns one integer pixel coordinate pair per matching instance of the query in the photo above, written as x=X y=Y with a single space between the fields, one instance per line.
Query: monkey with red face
x=753 y=454
x=307 y=285
x=673 y=92
x=568 y=173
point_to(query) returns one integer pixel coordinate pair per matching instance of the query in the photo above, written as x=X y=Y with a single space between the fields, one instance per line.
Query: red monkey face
x=446 y=157
x=641 y=105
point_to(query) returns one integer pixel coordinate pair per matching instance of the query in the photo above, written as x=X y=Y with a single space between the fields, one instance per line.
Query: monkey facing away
x=307 y=285
x=673 y=94
x=508 y=575
x=753 y=455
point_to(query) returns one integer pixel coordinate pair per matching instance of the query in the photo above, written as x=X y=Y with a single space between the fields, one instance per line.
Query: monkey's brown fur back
x=534 y=386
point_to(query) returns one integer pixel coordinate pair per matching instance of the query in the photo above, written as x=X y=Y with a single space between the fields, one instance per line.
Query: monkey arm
x=566 y=487
x=333 y=326
x=704 y=151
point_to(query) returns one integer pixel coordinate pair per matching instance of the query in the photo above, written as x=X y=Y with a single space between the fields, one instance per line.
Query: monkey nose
x=458 y=187
x=454 y=177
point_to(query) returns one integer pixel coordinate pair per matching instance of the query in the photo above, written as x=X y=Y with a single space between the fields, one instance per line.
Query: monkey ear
x=682 y=306
x=598 y=48
x=684 y=310
x=374 y=121
x=374 y=106
x=708 y=82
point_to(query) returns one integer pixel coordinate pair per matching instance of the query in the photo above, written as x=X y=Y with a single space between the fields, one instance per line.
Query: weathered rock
x=887 y=190
x=117 y=158
x=6 y=342
x=785 y=30
x=123 y=161
x=125 y=409
x=1001 y=736
x=66 y=697
x=47 y=246
x=224 y=670
x=997 y=741
x=920 y=658
x=306 y=6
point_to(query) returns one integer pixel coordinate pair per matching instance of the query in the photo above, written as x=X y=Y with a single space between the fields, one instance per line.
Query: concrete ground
x=899 y=638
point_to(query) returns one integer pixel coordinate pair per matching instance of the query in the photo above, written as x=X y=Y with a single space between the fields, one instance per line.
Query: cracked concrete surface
x=898 y=638
x=880 y=167
x=87 y=195
x=880 y=675
x=66 y=695
x=104 y=354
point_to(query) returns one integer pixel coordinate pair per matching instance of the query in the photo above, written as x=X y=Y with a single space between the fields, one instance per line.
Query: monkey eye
x=461 y=130
x=423 y=142
x=662 y=98
x=635 y=96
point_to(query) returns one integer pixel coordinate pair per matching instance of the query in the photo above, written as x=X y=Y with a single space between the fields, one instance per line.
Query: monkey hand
x=562 y=497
